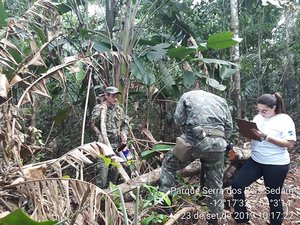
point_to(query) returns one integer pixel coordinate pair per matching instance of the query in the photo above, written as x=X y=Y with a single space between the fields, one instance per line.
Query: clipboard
x=245 y=127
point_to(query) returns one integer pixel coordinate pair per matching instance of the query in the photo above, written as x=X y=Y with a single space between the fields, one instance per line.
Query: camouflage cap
x=112 y=90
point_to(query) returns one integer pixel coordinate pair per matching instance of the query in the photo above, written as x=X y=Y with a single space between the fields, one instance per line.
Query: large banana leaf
x=222 y=40
x=3 y=15
x=18 y=217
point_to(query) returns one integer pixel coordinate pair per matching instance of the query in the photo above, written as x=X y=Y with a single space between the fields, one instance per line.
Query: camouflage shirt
x=201 y=108
x=116 y=122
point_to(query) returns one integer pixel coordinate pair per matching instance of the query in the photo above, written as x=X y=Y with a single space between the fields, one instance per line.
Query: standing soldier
x=111 y=128
x=207 y=122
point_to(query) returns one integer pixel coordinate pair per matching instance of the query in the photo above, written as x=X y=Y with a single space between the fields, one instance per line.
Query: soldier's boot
x=166 y=208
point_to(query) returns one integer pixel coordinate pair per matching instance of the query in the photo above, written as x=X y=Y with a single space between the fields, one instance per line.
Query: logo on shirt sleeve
x=290 y=133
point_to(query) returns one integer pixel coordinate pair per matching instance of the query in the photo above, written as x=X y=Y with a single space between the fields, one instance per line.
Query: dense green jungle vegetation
x=56 y=58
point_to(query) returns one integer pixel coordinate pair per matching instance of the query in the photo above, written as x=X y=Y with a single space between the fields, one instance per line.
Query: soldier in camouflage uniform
x=111 y=128
x=207 y=122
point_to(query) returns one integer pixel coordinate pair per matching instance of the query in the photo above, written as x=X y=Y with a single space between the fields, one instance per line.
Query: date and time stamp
x=290 y=216
x=261 y=205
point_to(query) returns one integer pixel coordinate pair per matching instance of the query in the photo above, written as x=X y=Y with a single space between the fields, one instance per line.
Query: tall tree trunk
x=235 y=55
x=110 y=15
x=291 y=83
x=259 y=53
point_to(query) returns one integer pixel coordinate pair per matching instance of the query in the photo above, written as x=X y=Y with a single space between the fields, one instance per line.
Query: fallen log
x=240 y=155
x=152 y=178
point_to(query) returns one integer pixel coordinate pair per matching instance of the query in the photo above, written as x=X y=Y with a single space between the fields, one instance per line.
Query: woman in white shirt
x=269 y=158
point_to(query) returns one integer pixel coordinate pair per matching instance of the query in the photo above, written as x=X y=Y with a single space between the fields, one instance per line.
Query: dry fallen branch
x=147 y=133
x=180 y=214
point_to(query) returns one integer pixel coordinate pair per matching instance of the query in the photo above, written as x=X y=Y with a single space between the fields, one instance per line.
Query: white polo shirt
x=278 y=126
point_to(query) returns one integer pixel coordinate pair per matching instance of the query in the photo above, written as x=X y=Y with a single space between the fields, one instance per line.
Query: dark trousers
x=273 y=175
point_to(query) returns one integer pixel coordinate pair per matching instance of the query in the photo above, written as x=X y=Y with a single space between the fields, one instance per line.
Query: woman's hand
x=259 y=134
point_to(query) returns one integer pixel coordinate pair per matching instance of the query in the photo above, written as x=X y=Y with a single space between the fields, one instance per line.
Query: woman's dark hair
x=273 y=100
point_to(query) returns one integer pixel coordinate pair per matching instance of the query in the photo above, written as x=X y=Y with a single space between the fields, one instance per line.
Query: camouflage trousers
x=105 y=174
x=213 y=165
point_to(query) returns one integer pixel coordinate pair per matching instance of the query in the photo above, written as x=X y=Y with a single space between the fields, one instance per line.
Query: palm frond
x=6 y=58
x=69 y=200
x=41 y=12
x=75 y=158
